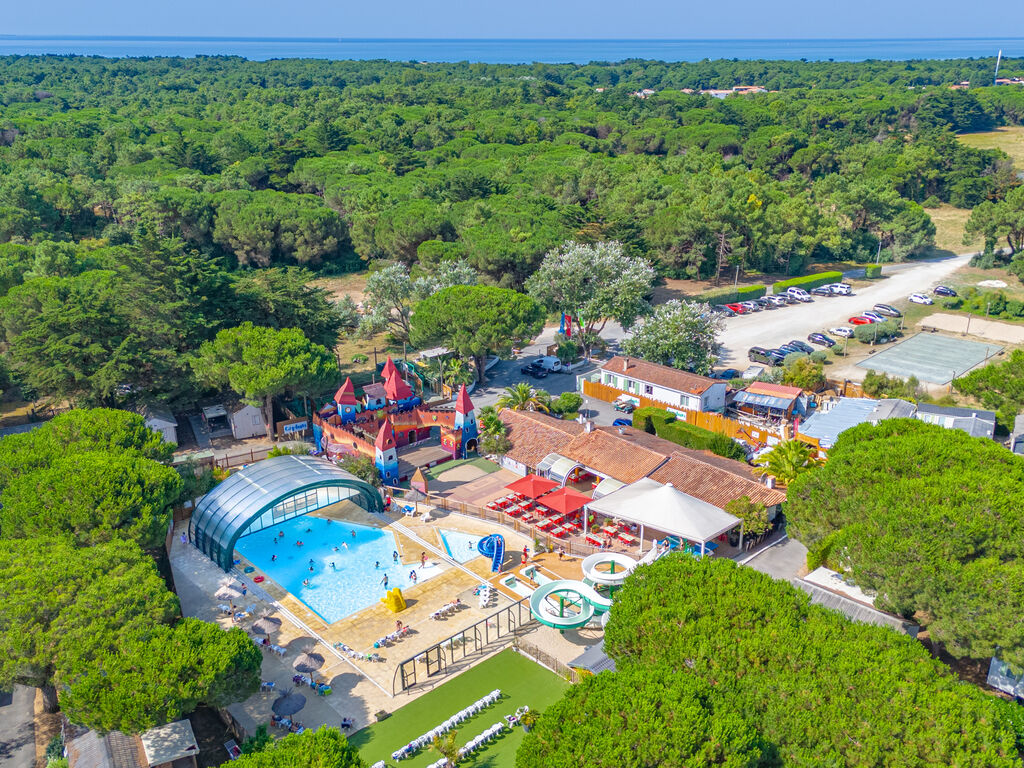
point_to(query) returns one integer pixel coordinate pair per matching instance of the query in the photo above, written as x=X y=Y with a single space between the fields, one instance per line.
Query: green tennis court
x=520 y=680
x=931 y=357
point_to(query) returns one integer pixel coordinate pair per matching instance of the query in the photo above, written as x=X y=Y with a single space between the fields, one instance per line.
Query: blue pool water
x=352 y=585
x=461 y=546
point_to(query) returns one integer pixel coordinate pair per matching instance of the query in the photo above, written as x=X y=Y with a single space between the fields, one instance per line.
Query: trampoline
x=931 y=357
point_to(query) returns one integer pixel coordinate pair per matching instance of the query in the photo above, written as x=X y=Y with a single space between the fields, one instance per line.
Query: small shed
x=247 y=421
x=160 y=420
x=171 y=746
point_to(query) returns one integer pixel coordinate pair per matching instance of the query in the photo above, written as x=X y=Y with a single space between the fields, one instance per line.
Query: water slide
x=608 y=569
x=567 y=604
x=493 y=546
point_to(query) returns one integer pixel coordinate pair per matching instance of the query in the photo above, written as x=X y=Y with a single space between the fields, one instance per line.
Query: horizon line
x=233 y=38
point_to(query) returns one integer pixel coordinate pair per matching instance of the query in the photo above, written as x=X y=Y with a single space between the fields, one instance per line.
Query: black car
x=765 y=302
x=943 y=290
x=789 y=349
x=821 y=290
x=534 y=370
x=803 y=346
x=888 y=310
x=766 y=356
x=723 y=310
x=822 y=339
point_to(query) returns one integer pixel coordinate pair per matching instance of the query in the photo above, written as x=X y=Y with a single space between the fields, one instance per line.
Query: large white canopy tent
x=650 y=504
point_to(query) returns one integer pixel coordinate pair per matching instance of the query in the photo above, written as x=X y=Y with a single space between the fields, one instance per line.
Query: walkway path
x=980 y=327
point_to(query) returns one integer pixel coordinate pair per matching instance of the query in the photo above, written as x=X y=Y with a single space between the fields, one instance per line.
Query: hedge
x=665 y=425
x=733 y=295
x=807 y=281
x=872 y=271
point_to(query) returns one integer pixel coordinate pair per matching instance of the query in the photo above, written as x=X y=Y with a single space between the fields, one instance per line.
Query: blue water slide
x=493 y=546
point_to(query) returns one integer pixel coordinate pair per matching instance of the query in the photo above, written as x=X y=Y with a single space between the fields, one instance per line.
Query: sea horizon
x=515 y=50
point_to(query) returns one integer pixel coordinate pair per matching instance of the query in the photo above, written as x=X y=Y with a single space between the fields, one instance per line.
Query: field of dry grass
x=949 y=229
x=1009 y=138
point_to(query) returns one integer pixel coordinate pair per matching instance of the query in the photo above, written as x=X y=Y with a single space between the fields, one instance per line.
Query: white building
x=161 y=421
x=675 y=388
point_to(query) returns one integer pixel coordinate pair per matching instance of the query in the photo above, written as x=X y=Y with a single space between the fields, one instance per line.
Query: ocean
x=514 y=51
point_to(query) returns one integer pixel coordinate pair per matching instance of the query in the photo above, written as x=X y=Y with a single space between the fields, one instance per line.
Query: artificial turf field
x=521 y=682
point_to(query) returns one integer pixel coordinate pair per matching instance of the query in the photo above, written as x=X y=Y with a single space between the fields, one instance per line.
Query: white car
x=842 y=330
x=920 y=298
x=873 y=316
x=799 y=294
x=840 y=289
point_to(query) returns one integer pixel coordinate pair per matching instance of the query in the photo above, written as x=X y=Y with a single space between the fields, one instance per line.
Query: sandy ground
x=991 y=330
x=771 y=328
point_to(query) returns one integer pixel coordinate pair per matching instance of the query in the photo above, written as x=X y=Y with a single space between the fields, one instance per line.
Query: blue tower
x=346 y=403
x=386 y=453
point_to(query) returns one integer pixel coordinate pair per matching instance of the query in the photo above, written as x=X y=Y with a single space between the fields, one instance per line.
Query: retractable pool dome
x=267 y=493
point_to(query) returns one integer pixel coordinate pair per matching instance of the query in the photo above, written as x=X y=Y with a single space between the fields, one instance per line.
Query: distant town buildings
x=1010 y=81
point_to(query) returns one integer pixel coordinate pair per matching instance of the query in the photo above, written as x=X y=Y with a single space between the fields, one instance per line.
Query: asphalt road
x=773 y=327
x=17 y=735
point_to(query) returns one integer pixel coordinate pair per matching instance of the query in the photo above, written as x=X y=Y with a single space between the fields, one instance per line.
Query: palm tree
x=788 y=460
x=448 y=747
x=434 y=372
x=523 y=397
x=490 y=423
x=456 y=372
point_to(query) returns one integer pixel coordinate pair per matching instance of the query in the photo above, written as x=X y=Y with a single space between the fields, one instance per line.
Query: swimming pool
x=354 y=583
x=461 y=546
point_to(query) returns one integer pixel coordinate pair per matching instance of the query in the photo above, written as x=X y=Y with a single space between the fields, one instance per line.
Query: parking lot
x=773 y=327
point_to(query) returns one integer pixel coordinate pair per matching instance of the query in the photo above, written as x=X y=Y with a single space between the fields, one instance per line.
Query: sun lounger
x=234 y=751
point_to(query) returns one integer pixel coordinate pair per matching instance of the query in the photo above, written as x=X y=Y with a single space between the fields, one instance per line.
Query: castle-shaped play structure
x=398 y=418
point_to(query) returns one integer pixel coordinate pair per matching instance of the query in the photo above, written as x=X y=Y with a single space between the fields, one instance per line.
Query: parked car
x=624 y=406
x=821 y=339
x=728 y=373
x=739 y=309
x=549 y=363
x=803 y=346
x=799 y=294
x=840 y=289
x=920 y=298
x=821 y=290
x=534 y=370
x=860 y=320
x=766 y=356
x=842 y=330
x=944 y=290
x=786 y=349
x=789 y=299
x=752 y=306
x=778 y=301
x=723 y=309
x=875 y=317
x=622 y=423
x=888 y=310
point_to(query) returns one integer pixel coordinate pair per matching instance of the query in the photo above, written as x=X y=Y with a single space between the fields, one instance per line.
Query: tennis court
x=930 y=357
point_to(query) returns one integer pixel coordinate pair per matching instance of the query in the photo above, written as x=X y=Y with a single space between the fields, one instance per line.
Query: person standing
x=423 y=559
x=384 y=581
x=526 y=554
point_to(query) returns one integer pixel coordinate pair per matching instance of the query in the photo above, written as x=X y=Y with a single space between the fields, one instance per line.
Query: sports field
x=521 y=682
x=930 y=357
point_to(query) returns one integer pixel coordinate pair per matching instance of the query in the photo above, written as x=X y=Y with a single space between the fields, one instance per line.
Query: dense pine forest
x=146 y=204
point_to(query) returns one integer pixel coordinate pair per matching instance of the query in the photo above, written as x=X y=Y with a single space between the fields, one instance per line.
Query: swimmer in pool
x=305 y=582
x=353 y=534
x=273 y=558
x=311 y=561
x=332 y=565
x=384 y=581
x=335 y=549
x=311 y=569
x=344 y=544
x=376 y=564
x=394 y=555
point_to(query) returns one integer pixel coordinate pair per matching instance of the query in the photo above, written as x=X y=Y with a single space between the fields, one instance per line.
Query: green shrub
x=807 y=281
x=567 y=402
x=868 y=334
x=667 y=426
x=931 y=202
x=873 y=271
x=952 y=302
x=733 y=295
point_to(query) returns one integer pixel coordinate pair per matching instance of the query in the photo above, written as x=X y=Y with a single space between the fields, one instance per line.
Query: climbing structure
x=388 y=417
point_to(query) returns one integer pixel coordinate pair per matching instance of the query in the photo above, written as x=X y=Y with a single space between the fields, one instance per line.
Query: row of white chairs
x=427 y=738
x=485 y=594
x=482 y=739
x=447 y=609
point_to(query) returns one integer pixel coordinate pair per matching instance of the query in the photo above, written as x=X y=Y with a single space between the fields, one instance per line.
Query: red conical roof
x=389 y=370
x=386 y=436
x=396 y=388
x=463 y=404
x=346 y=395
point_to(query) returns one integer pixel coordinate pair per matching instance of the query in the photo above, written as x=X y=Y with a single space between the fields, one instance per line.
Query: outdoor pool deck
x=360 y=688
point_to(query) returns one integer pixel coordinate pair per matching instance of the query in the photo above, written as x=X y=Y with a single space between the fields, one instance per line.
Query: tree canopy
x=322 y=748
x=999 y=386
x=475 y=320
x=928 y=519
x=680 y=334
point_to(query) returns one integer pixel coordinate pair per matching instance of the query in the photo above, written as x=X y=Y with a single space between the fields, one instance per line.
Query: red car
x=739 y=309
x=861 y=320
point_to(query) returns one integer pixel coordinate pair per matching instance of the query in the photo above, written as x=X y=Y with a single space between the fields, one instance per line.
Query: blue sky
x=666 y=19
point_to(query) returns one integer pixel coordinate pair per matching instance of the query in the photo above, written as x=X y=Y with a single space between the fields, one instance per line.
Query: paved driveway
x=773 y=327
x=17 y=734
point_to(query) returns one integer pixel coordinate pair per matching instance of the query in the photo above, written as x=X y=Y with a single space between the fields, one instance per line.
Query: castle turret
x=389 y=369
x=465 y=420
x=346 y=403
x=386 y=453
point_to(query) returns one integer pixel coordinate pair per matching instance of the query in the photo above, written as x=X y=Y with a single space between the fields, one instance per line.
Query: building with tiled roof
x=680 y=389
x=713 y=484
x=534 y=436
x=623 y=455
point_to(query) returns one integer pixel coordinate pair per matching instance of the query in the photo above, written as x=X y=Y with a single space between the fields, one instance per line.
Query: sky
x=642 y=19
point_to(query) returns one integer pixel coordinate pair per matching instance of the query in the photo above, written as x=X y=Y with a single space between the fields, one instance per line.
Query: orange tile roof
x=713 y=484
x=610 y=453
x=535 y=435
x=661 y=375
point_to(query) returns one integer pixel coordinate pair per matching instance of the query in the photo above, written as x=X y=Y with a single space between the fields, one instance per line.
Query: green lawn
x=521 y=682
x=483 y=464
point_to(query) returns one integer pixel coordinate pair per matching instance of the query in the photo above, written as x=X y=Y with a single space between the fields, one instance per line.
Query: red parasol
x=532 y=486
